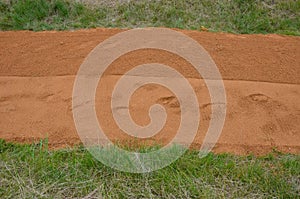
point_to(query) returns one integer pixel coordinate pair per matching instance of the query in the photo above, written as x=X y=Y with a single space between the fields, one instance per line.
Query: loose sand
x=261 y=75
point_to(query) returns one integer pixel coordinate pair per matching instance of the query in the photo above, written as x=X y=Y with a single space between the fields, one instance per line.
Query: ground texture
x=261 y=74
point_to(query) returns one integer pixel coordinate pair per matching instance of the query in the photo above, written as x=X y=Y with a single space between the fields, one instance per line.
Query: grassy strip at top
x=237 y=16
x=32 y=171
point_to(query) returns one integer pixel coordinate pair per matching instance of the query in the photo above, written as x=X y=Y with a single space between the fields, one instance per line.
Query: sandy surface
x=261 y=75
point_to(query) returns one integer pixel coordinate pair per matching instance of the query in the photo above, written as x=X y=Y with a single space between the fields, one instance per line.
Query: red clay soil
x=261 y=76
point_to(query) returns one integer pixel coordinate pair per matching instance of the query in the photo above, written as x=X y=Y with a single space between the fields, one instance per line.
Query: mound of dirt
x=261 y=75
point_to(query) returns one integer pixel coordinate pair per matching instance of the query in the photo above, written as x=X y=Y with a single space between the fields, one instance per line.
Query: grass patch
x=32 y=171
x=236 y=16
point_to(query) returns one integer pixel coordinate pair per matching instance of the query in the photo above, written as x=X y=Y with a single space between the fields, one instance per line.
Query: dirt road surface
x=261 y=75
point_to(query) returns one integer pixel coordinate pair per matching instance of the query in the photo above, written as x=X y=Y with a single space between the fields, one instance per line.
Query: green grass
x=32 y=171
x=236 y=16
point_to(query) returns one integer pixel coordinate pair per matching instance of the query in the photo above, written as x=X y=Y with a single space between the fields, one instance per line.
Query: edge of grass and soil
x=235 y=16
x=33 y=171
